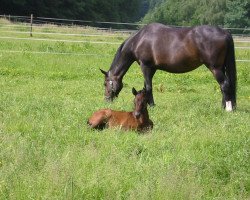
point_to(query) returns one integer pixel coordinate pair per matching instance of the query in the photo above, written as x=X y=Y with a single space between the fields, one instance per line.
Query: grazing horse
x=176 y=50
x=136 y=120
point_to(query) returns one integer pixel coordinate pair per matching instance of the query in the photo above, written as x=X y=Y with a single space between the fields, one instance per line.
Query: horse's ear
x=105 y=73
x=134 y=91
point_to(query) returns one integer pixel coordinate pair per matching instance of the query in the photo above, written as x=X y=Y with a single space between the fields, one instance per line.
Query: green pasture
x=195 y=151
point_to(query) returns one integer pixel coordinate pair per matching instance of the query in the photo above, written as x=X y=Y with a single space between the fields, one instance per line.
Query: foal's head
x=140 y=102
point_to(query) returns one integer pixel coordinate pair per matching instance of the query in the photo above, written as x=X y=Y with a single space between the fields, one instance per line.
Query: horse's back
x=159 y=32
x=165 y=48
x=212 y=43
x=178 y=50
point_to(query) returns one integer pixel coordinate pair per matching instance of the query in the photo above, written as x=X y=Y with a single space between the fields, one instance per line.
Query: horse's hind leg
x=221 y=78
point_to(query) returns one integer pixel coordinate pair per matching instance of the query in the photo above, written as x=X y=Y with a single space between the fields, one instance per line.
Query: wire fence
x=81 y=41
x=114 y=26
x=23 y=28
x=105 y=25
x=75 y=54
x=60 y=40
x=111 y=35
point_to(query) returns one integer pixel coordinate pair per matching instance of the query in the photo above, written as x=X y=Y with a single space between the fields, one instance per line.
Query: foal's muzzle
x=137 y=114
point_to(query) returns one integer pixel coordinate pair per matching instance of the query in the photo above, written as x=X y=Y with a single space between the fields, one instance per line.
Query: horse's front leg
x=148 y=73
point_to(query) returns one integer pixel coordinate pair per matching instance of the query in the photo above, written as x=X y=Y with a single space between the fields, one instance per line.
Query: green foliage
x=198 y=12
x=228 y=13
x=238 y=14
x=195 y=151
x=109 y=10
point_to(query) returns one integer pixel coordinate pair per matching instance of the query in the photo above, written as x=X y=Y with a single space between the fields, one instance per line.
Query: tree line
x=228 y=13
x=95 y=10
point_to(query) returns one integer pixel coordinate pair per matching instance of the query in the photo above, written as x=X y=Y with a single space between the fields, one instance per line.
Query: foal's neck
x=144 y=115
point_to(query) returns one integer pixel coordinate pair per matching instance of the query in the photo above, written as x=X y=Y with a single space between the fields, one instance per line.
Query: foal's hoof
x=151 y=104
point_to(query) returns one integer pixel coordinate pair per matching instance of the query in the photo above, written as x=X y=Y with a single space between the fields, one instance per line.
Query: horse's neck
x=121 y=63
x=119 y=70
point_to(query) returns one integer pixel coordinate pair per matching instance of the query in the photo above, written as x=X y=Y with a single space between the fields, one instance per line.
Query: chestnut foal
x=137 y=120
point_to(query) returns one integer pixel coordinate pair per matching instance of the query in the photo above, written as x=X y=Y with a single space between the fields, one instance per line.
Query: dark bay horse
x=176 y=50
x=137 y=120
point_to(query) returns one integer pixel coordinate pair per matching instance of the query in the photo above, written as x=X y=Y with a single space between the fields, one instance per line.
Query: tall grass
x=195 y=151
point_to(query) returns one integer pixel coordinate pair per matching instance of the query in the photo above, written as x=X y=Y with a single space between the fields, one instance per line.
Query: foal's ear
x=105 y=73
x=134 y=91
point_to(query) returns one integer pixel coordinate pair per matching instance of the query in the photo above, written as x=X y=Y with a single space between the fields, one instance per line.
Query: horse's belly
x=177 y=56
x=178 y=67
x=178 y=60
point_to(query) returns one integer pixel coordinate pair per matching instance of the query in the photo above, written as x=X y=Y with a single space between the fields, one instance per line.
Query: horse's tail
x=230 y=68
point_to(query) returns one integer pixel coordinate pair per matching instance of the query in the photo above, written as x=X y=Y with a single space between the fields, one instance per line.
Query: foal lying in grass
x=136 y=120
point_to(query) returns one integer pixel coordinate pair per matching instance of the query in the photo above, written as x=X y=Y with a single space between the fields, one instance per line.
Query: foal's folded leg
x=98 y=120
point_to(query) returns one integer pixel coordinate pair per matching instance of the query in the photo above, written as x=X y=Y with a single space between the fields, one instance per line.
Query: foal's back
x=123 y=119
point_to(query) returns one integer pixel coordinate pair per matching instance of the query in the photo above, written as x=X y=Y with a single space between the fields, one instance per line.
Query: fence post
x=31 y=23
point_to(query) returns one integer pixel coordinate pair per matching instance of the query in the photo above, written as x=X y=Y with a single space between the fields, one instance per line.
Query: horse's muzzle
x=108 y=99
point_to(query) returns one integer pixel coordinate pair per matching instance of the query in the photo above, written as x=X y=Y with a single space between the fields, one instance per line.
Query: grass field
x=195 y=151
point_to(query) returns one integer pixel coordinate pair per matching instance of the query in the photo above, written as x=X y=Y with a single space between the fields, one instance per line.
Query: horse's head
x=140 y=102
x=113 y=86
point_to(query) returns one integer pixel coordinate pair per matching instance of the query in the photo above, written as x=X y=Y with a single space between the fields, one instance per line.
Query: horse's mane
x=125 y=46
x=117 y=56
x=120 y=49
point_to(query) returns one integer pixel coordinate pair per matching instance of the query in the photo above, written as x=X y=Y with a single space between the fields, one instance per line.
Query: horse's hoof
x=229 y=106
